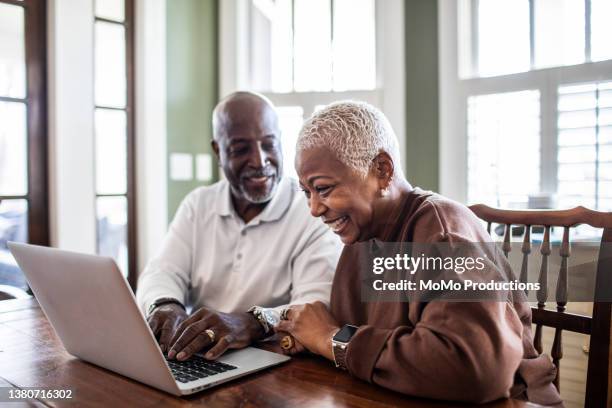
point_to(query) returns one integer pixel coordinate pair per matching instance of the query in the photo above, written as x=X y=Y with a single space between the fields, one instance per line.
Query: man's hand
x=232 y=331
x=313 y=326
x=163 y=322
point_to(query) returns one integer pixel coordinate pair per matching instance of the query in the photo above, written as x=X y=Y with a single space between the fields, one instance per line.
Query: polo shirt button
x=243 y=233
x=239 y=256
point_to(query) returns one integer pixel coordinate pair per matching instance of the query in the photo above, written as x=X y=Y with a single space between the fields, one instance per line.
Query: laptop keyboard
x=196 y=368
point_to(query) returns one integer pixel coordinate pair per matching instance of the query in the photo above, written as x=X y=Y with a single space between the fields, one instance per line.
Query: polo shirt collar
x=272 y=212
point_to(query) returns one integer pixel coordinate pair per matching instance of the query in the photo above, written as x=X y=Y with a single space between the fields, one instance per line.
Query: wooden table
x=31 y=355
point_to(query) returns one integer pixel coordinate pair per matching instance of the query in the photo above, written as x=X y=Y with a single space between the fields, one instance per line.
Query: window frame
x=37 y=197
x=130 y=194
x=454 y=92
x=234 y=68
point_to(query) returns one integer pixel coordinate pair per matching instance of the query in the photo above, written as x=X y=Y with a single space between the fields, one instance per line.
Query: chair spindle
x=542 y=294
x=507 y=245
x=561 y=297
x=526 y=250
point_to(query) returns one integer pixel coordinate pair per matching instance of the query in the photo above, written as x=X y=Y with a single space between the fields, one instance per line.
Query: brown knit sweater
x=474 y=352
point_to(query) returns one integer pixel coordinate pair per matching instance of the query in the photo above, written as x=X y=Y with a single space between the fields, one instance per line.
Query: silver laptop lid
x=83 y=296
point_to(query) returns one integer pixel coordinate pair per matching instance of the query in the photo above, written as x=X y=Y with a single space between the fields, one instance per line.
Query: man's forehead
x=250 y=124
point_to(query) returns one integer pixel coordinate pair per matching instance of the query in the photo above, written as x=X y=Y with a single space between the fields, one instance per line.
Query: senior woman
x=349 y=168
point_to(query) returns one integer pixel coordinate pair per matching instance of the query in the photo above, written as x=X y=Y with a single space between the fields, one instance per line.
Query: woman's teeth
x=338 y=224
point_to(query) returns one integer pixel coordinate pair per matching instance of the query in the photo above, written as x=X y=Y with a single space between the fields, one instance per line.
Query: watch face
x=271 y=316
x=345 y=334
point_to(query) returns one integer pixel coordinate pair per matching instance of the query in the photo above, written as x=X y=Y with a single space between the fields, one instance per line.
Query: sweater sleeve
x=460 y=351
x=457 y=351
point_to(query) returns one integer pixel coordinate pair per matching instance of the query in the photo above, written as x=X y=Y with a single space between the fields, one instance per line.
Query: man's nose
x=259 y=158
x=317 y=208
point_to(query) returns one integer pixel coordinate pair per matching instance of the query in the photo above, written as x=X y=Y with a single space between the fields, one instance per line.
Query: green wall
x=191 y=47
x=422 y=133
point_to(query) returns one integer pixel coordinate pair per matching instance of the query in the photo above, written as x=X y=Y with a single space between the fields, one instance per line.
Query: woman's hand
x=296 y=347
x=312 y=326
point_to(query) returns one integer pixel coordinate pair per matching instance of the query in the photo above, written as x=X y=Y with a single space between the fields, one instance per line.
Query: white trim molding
x=151 y=130
x=71 y=127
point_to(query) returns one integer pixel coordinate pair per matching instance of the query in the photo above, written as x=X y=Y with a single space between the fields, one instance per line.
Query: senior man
x=240 y=247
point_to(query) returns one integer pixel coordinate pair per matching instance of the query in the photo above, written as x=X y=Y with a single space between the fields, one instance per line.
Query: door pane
x=559 y=32
x=13 y=149
x=601 y=30
x=354 y=45
x=271 y=36
x=111 y=151
x=12 y=52
x=110 y=9
x=503 y=37
x=312 y=60
x=110 y=66
x=503 y=148
x=112 y=229
x=13 y=227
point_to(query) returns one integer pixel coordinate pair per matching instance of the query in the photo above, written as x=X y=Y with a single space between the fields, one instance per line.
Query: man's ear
x=215 y=147
x=384 y=169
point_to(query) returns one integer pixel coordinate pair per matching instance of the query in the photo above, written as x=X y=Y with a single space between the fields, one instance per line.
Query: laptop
x=93 y=311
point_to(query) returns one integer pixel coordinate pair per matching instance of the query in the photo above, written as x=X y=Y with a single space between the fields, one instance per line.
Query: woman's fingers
x=284 y=326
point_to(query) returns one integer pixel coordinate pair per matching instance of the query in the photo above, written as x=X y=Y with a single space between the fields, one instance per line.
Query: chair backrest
x=599 y=325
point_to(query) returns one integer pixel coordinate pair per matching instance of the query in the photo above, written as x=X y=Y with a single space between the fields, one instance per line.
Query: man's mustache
x=268 y=172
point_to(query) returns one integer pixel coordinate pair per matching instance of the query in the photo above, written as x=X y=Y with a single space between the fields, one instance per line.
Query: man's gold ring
x=286 y=343
x=210 y=334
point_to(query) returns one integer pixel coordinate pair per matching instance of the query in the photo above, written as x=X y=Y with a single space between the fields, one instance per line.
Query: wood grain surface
x=31 y=355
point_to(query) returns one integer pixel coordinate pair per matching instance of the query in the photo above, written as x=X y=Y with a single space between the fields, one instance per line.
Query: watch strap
x=257 y=312
x=163 y=301
x=339 y=351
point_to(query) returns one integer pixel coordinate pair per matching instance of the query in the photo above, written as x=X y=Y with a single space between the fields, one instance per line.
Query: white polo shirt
x=211 y=258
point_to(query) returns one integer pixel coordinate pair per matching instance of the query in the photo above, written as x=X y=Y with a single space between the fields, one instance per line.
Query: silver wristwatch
x=268 y=318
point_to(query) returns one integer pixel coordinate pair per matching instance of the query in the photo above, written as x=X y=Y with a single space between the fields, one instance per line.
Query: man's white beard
x=263 y=198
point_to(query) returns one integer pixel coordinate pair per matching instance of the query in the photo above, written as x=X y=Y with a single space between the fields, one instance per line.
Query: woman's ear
x=383 y=169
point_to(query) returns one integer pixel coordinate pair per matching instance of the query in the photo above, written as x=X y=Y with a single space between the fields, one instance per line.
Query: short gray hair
x=356 y=132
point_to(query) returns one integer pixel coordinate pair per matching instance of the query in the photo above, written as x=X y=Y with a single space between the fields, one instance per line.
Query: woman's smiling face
x=342 y=197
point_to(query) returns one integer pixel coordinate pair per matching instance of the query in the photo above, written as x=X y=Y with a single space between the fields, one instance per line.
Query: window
x=114 y=133
x=313 y=45
x=304 y=54
x=500 y=37
x=503 y=147
x=585 y=145
x=23 y=133
x=527 y=98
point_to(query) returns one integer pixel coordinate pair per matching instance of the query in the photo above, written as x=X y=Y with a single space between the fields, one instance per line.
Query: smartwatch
x=162 y=301
x=340 y=342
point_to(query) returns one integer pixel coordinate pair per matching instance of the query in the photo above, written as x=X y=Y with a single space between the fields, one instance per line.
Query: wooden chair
x=598 y=326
